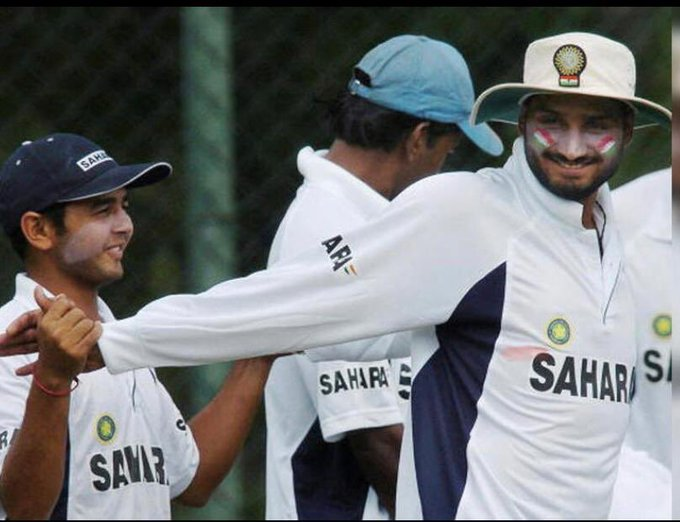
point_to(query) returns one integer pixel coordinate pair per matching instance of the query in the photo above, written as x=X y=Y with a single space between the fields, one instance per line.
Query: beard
x=572 y=192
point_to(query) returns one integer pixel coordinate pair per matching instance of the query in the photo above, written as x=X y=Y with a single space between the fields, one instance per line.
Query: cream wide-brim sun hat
x=571 y=63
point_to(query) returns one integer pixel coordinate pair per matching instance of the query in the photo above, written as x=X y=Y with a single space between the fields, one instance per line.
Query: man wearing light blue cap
x=426 y=79
x=521 y=392
x=334 y=428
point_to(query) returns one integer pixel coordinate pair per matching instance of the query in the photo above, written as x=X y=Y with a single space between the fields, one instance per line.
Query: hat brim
x=483 y=136
x=118 y=177
x=501 y=103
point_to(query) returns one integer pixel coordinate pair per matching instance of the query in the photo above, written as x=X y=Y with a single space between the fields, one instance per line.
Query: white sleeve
x=393 y=346
x=354 y=396
x=398 y=277
x=182 y=456
x=13 y=394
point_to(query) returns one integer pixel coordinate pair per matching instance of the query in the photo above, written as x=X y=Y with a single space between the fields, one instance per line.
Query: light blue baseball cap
x=424 y=78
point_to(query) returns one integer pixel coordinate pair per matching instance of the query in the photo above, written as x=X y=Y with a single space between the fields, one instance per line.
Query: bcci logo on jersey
x=663 y=325
x=559 y=332
x=106 y=429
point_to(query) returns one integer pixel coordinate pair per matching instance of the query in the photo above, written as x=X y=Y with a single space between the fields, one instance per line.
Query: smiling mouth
x=571 y=165
x=116 y=251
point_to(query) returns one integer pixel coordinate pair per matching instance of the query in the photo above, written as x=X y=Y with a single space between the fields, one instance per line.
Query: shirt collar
x=537 y=199
x=316 y=169
x=25 y=287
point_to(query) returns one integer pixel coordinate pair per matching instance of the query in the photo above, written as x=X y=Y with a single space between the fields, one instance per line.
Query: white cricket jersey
x=643 y=211
x=643 y=488
x=129 y=451
x=520 y=396
x=312 y=472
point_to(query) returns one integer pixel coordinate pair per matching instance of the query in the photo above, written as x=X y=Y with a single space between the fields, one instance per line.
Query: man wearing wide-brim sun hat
x=576 y=110
x=571 y=63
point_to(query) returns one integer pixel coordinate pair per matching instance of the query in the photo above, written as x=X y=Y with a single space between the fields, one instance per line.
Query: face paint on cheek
x=607 y=146
x=88 y=242
x=542 y=139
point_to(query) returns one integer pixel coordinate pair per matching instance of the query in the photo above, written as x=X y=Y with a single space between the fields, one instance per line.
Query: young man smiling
x=100 y=446
x=521 y=394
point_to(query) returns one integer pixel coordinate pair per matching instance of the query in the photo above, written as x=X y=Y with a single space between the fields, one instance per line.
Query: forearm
x=290 y=307
x=221 y=428
x=33 y=472
x=377 y=451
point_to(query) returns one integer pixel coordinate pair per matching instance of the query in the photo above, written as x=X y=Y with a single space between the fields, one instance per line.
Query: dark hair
x=54 y=213
x=362 y=123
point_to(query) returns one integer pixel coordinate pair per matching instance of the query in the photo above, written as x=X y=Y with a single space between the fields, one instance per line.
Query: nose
x=123 y=223
x=573 y=144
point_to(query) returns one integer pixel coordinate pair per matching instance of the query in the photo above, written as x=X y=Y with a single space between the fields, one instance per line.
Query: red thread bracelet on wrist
x=51 y=393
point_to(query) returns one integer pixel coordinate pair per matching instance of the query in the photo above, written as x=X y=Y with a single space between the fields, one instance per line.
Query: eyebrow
x=105 y=200
x=599 y=116
x=603 y=116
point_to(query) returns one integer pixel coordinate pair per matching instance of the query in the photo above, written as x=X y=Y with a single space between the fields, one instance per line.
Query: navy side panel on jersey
x=445 y=394
x=328 y=482
x=60 y=511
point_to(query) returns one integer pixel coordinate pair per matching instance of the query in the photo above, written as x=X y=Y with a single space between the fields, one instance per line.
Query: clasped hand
x=62 y=335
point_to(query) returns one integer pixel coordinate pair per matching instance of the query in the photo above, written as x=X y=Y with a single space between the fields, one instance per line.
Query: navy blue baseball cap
x=60 y=168
x=425 y=78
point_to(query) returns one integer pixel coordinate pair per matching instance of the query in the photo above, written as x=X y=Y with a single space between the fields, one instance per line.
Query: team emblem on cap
x=558 y=331
x=92 y=160
x=569 y=60
x=106 y=429
x=662 y=325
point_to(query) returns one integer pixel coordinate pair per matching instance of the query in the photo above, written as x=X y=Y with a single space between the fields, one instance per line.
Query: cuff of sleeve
x=121 y=346
x=180 y=484
x=335 y=429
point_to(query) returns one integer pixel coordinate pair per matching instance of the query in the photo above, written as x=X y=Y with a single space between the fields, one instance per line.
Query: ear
x=628 y=125
x=416 y=141
x=522 y=120
x=39 y=232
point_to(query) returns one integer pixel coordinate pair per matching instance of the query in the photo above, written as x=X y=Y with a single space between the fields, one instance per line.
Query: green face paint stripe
x=543 y=138
x=606 y=146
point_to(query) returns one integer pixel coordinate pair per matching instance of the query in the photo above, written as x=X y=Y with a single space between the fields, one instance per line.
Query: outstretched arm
x=357 y=285
x=221 y=428
x=400 y=281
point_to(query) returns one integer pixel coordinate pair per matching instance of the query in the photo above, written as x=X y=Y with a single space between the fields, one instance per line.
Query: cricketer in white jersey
x=643 y=485
x=129 y=450
x=643 y=211
x=524 y=385
x=312 y=472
